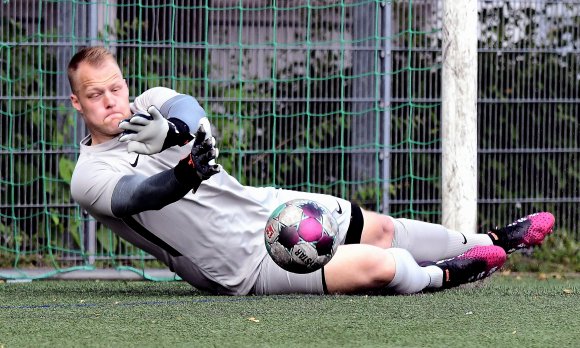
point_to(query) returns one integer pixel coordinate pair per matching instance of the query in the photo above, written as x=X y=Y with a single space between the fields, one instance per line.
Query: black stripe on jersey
x=145 y=233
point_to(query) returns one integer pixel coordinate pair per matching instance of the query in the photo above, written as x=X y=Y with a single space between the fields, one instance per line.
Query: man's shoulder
x=87 y=163
x=89 y=159
x=93 y=180
x=96 y=166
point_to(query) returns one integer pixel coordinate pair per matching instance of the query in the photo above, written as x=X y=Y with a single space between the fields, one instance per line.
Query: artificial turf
x=504 y=311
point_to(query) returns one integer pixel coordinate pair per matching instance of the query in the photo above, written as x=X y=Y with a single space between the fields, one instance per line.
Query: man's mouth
x=114 y=116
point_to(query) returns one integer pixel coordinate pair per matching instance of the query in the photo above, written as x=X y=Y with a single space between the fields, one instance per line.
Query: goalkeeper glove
x=199 y=165
x=152 y=134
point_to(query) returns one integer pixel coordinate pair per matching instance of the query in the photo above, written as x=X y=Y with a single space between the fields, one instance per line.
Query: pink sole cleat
x=477 y=263
x=523 y=233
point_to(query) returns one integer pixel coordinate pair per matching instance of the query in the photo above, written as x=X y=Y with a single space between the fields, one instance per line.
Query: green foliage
x=33 y=131
x=529 y=135
x=108 y=242
x=66 y=168
x=368 y=196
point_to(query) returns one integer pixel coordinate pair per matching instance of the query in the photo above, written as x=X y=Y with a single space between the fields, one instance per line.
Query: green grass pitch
x=499 y=312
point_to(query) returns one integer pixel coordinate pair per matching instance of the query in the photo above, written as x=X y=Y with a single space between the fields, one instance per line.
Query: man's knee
x=359 y=267
x=378 y=229
x=381 y=268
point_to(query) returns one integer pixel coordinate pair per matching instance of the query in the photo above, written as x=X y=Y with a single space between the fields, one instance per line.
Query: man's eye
x=94 y=95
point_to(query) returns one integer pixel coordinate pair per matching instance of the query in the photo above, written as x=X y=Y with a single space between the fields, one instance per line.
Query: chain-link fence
x=325 y=96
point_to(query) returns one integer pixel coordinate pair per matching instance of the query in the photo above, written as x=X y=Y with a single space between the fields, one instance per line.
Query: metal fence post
x=92 y=223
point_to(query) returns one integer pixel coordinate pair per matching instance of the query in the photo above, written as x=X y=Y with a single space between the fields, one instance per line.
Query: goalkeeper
x=147 y=170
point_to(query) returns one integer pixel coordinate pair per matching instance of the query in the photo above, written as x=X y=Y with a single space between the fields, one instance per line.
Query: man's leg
x=433 y=242
x=425 y=241
x=357 y=268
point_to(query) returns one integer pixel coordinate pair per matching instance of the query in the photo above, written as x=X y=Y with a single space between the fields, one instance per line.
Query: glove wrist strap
x=186 y=173
x=177 y=134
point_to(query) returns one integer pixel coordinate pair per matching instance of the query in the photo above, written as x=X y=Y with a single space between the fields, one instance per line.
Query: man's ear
x=75 y=102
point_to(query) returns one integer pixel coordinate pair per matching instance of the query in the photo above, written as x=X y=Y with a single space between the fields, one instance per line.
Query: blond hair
x=94 y=56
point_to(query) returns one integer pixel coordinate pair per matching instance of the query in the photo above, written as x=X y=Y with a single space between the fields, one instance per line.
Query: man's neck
x=99 y=139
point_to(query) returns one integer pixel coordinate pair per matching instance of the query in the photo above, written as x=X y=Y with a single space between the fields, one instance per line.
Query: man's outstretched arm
x=135 y=193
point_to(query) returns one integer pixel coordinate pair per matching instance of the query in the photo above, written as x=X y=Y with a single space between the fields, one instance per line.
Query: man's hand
x=202 y=156
x=199 y=165
x=148 y=135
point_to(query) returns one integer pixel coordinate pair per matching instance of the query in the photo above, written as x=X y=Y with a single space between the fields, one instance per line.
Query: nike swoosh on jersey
x=464 y=239
x=134 y=164
x=339 y=208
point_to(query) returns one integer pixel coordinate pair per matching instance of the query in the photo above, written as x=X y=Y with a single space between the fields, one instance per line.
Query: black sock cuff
x=324 y=288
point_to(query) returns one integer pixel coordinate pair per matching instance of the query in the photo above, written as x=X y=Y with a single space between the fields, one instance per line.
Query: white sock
x=409 y=276
x=458 y=243
x=436 y=275
x=433 y=242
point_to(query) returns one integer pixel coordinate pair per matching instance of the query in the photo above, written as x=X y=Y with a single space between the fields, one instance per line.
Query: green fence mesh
x=339 y=97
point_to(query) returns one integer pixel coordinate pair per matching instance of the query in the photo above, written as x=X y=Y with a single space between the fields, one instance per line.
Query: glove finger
x=131 y=127
x=142 y=120
x=134 y=146
x=199 y=136
x=141 y=148
x=211 y=155
x=214 y=169
x=127 y=137
x=125 y=121
x=199 y=149
x=155 y=113
x=207 y=145
x=126 y=132
x=204 y=158
x=208 y=171
x=206 y=126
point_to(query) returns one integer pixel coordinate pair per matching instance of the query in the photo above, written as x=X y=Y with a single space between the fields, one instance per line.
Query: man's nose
x=109 y=100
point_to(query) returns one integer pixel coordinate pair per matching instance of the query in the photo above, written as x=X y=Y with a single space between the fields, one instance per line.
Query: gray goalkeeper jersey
x=218 y=229
x=213 y=238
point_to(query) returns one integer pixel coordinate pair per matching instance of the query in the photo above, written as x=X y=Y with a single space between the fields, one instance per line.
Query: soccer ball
x=301 y=236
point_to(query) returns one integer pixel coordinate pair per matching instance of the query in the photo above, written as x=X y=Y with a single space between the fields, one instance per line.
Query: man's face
x=101 y=96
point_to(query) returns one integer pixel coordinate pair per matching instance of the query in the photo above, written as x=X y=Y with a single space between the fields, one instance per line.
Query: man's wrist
x=177 y=134
x=186 y=174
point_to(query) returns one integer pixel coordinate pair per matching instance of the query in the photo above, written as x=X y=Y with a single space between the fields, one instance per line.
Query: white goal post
x=459 y=115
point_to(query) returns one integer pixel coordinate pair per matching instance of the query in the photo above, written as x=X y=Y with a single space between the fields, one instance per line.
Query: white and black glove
x=151 y=134
x=200 y=164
